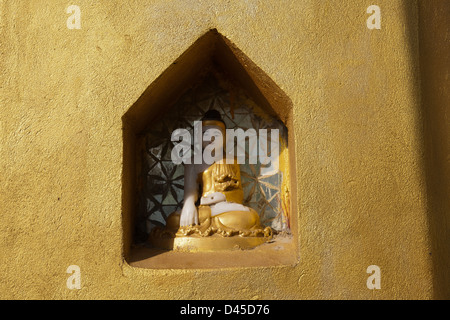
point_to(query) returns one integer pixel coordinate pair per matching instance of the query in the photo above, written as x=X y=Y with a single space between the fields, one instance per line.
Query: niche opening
x=211 y=75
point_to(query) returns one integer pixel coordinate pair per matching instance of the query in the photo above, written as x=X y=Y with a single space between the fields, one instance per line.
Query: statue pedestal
x=212 y=234
x=215 y=242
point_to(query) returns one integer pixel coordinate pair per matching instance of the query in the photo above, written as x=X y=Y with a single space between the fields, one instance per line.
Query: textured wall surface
x=363 y=188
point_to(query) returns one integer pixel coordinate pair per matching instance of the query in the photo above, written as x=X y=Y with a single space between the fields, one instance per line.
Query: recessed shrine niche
x=219 y=212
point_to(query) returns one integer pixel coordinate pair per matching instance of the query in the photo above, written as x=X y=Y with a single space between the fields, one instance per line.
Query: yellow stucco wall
x=363 y=191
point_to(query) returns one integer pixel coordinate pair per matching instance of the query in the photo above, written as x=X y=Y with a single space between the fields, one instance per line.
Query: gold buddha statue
x=213 y=216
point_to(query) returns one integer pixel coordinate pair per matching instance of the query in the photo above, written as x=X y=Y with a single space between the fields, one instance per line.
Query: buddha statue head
x=213 y=129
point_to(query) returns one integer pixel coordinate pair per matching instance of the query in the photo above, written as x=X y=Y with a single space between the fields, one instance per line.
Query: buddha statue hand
x=189 y=215
x=212 y=198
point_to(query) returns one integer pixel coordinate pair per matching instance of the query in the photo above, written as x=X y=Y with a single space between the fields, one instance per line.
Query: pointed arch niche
x=212 y=74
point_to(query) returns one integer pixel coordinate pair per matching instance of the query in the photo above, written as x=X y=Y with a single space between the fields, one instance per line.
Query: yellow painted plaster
x=358 y=126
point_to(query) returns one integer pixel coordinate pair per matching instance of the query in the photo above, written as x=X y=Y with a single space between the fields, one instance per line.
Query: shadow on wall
x=433 y=56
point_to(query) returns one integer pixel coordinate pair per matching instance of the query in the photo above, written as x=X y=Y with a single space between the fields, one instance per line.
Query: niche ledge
x=278 y=252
